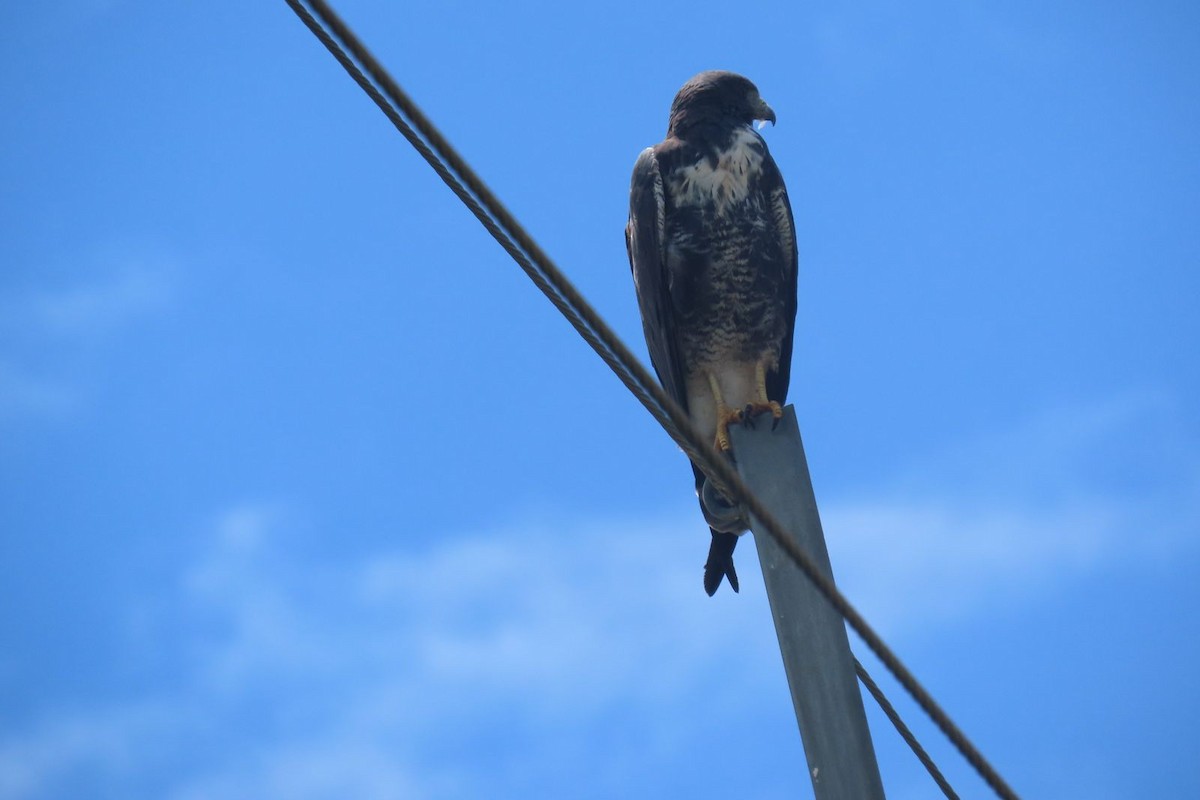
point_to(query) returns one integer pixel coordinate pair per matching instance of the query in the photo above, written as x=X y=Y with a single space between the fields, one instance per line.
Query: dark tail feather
x=720 y=562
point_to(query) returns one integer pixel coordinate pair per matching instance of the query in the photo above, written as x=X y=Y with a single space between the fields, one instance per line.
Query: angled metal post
x=812 y=636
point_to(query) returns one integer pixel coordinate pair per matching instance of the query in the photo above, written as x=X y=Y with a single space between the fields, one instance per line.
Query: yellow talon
x=763 y=403
x=754 y=409
x=725 y=417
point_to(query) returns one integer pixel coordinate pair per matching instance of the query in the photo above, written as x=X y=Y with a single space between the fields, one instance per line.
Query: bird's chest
x=726 y=301
x=716 y=181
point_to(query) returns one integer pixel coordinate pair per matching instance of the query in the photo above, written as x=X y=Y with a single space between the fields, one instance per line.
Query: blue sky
x=305 y=492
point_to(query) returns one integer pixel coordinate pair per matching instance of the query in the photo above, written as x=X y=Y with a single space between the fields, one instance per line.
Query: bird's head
x=718 y=97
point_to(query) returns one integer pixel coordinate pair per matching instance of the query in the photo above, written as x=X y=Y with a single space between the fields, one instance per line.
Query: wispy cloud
x=546 y=641
x=320 y=769
x=919 y=563
x=540 y=610
x=97 y=742
x=22 y=394
x=1003 y=517
x=379 y=667
x=97 y=306
x=52 y=323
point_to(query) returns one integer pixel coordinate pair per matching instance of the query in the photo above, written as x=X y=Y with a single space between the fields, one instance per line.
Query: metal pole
x=812 y=636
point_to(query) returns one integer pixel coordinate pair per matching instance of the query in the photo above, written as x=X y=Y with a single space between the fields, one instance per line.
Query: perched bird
x=712 y=247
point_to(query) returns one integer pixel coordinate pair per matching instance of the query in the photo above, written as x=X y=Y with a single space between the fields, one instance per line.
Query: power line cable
x=902 y=729
x=462 y=180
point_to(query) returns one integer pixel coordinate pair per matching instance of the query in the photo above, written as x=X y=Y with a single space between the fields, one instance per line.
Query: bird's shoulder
x=673 y=153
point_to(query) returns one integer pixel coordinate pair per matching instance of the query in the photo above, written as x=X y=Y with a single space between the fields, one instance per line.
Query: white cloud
x=529 y=628
x=915 y=564
x=50 y=325
x=540 y=611
x=23 y=394
x=87 y=308
x=1003 y=518
x=95 y=296
x=33 y=763
x=311 y=770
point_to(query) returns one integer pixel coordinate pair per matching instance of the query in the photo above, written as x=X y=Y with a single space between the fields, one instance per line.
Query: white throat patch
x=729 y=181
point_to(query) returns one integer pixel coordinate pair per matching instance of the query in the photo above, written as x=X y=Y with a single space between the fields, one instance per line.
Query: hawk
x=712 y=247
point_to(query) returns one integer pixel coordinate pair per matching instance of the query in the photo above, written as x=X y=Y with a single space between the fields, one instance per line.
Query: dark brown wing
x=785 y=230
x=645 y=240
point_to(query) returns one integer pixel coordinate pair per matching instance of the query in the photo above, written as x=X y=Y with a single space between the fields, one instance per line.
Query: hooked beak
x=763 y=112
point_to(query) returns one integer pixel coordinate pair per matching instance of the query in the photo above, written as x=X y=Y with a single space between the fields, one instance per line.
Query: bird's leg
x=725 y=416
x=761 y=403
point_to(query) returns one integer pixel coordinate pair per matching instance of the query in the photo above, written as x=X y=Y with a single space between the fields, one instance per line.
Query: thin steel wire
x=492 y=214
x=902 y=729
